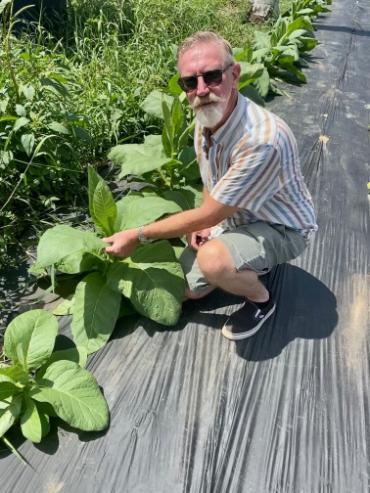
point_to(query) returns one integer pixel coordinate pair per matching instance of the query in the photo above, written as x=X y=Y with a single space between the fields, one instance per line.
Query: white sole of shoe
x=244 y=335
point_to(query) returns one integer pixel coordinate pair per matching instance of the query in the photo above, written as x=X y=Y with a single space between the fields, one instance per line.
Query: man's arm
x=207 y=215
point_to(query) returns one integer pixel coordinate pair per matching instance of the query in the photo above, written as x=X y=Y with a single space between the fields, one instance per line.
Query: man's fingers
x=113 y=251
x=109 y=239
x=194 y=242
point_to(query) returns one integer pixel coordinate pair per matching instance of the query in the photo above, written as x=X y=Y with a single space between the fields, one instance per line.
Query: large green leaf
x=76 y=354
x=28 y=142
x=167 y=142
x=173 y=85
x=92 y=180
x=262 y=55
x=262 y=84
x=101 y=204
x=153 y=281
x=7 y=389
x=95 y=312
x=249 y=72
x=261 y=40
x=138 y=159
x=9 y=383
x=8 y=386
x=9 y=412
x=70 y=250
x=243 y=54
x=15 y=374
x=179 y=250
x=300 y=23
x=152 y=104
x=251 y=93
x=168 y=128
x=75 y=396
x=153 y=140
x=29 y=339
x=187 y=197
x=80 y=261
x=34 y=423
x=183 y=139
x=59 y=128
x=187 y=156
x=189 y=165
x=178 y=120
x=19 y=123
x=290 y=52
x=297 y=34
x=135 y=210
x=184 y=198
x=307 y=43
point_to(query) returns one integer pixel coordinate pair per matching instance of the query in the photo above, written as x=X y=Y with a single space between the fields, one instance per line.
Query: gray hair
x=206 y=37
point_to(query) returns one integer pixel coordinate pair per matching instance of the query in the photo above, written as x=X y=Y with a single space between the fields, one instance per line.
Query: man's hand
x=198 y=238
x=122 y=244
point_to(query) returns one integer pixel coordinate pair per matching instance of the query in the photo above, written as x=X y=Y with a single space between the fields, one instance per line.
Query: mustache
x=201 y=101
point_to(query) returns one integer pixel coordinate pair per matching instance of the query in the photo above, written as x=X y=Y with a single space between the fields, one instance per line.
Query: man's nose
x=202 y=88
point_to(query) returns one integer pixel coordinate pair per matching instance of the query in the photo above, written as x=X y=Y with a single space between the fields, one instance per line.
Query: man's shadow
x=305 y=308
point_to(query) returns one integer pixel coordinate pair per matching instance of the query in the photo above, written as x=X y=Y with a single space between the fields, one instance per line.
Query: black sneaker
x=246 y=321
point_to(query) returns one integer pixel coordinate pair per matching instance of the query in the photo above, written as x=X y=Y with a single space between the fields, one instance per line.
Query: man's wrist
x=143 y=239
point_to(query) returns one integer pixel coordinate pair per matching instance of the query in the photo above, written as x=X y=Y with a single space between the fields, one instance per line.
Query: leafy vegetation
x=282 y=51
x=37 y=383
x=150 y=282
x=64 y=103
x=171 y=155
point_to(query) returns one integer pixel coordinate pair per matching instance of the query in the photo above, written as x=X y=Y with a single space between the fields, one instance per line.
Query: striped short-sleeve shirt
x=252 y=163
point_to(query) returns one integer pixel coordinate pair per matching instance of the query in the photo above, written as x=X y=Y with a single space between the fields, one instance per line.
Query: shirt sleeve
x=252 y=178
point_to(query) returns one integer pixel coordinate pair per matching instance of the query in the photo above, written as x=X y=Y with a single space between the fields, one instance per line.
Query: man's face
x=212 y=103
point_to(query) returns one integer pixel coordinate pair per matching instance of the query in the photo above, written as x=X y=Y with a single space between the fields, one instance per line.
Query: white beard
x=209 y=115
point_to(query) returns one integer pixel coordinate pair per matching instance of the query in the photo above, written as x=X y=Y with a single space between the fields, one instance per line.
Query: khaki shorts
x=257 y=246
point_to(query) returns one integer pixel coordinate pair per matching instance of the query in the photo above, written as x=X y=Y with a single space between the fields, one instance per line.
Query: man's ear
x=236 y=72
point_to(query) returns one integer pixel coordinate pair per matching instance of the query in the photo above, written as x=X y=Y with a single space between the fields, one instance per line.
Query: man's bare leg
x=218 y=268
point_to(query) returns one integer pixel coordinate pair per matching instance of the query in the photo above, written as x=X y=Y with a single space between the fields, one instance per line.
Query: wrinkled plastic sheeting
x=286 y=411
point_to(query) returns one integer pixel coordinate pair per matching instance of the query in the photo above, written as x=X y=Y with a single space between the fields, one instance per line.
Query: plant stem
x=8 y=54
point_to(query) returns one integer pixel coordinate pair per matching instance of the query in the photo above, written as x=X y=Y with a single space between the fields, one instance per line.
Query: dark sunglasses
x=211 y=78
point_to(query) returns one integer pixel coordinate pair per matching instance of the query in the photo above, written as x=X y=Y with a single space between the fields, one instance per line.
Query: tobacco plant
x=307 y=8
x=281 y=52
x=38 y=382
x=151 y=281
x=166 y=160
x=283 y=49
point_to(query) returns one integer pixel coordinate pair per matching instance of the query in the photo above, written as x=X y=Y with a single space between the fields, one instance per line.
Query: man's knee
x=214 y=259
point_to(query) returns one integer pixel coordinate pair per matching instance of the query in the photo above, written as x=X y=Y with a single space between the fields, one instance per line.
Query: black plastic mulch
x=288 y=410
